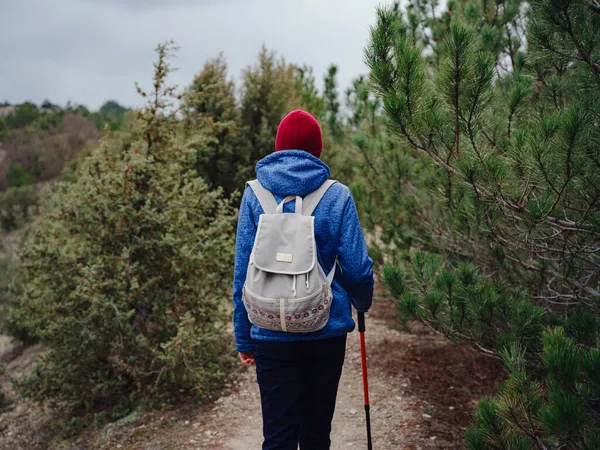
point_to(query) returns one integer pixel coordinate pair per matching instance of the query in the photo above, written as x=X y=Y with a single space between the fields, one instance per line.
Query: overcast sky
x=88 y=51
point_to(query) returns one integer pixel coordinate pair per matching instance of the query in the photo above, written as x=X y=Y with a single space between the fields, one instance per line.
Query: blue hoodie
x=338 y=233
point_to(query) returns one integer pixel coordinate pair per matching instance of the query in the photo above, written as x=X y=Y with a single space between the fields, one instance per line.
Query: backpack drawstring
x=307 y=284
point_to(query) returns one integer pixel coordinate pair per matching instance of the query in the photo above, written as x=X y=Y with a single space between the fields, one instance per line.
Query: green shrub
x=23 y=115
x=10 y=288
x=111 y=114
x=126 y=273
x=17 y=206
x=17 y=176
x=12 y=320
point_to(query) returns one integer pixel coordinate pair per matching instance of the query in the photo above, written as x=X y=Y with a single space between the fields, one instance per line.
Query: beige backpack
x=286 y=289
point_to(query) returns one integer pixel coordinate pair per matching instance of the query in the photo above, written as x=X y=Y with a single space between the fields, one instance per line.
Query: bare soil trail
x=422 y=391
x=235 y=423
x=422 y=388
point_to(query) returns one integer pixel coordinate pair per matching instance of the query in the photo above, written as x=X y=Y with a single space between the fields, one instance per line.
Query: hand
x=247 y=358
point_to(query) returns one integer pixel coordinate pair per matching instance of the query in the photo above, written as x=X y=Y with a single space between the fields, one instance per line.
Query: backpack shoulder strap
x=312 y=200
x=264 y=196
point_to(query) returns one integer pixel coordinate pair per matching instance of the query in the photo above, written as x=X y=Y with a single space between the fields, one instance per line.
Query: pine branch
x=492 y=142
x=566 y=225
x=594 y=6
x=530 y=434
x=583 y=55
x=454 y=334
x=457 y=115
x=593 y=412
x=587 y=289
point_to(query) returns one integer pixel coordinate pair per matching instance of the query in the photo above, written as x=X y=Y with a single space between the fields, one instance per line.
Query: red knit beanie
x=299 y=131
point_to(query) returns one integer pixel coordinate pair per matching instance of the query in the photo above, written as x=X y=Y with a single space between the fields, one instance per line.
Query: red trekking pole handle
x=363 y=355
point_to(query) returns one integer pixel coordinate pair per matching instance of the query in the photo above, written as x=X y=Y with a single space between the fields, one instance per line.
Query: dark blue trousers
x=298 y=386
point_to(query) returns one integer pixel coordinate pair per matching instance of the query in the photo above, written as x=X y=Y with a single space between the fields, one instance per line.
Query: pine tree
x=210 y=108
x=268 y=94
x=310 y=98
x=332 y=103
x=502 y=100
x=241 y=133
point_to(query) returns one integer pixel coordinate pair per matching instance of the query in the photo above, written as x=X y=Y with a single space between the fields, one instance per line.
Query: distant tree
x=268 y=94
x=112 y=107
x=310 y=97
x=17 y=176
x=210 y=107
x=52 y=120
x=48 y=105
x=23 y=115
x=111 y=114
x=8 y=282
x=332 y=103
x=361 y=104
x=17 y=206
x=212 y=94
x=81 y=110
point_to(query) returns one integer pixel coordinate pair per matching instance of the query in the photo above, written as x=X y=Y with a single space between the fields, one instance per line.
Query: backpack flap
x=285 y=244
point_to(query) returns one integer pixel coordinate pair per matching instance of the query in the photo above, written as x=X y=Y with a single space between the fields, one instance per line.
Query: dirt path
x=423 y=390
x=235 y=423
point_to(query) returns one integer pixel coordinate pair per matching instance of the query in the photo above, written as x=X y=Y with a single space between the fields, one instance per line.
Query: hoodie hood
x=291 y=172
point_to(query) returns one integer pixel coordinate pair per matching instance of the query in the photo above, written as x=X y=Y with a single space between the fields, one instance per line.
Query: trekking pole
x=363 y=354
